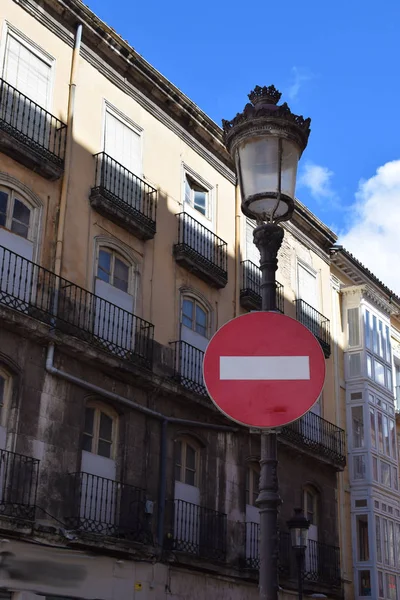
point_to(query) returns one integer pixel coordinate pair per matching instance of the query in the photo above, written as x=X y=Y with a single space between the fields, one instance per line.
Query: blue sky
x=336 y=62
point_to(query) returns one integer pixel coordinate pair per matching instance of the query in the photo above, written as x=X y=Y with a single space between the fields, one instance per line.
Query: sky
x=336 y=62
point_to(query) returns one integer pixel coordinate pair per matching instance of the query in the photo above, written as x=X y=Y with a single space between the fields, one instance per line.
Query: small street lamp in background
x=298 y=526
x=266 y=142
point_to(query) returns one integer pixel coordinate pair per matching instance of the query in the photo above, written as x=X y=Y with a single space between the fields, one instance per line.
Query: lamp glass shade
x=262 y=172
x=299 y=537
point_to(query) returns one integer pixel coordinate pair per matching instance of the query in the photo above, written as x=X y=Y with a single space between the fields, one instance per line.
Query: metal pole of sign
x=268 y=239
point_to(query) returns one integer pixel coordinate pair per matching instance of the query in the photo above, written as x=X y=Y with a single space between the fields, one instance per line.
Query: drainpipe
x=162 y=492
x=68 y=151
x=237 y=255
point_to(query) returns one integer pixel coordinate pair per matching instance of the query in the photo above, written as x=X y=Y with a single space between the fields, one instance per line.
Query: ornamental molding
x=366 y=292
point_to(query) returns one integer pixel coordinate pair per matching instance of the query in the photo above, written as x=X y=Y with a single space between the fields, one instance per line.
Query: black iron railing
x=188 y=365
x=317 y=323
x=318 y=435
x=202 y=244
x=18 y=485
x=199 y=531
x=250 y=291
x=30 y=123
x=107 y=507
x=321 y=561
x=35 y=291
x=125 y=189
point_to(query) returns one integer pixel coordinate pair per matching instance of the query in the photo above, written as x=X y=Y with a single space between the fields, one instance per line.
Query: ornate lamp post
x=299 y=526
x=266 y=142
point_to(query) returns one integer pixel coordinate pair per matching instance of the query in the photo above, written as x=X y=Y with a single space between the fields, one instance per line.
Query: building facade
x=370 y=329
x=122 y=250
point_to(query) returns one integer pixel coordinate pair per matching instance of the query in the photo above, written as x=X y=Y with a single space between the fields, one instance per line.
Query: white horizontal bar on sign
x=266 y=368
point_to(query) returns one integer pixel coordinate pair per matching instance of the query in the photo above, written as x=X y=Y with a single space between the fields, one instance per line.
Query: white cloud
x=299 y=77
x=318 y=180
x=374 y=234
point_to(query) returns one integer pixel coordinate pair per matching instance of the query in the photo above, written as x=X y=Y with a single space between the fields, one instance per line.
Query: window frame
x=99 y=408
x=7 y=395
x=310 y=491
x=115 y=253
x=196 y=302
x=13 y=195
x=252 y=486
x=189 y=207
x=185 y=443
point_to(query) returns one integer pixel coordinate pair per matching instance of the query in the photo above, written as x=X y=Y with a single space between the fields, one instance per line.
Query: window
x=113 y=269
x=367 y=330
x=186 y=462
x=353 y=323
x=359 y=466
x=385 y=542
x=252 y=484
x=375 y=468
x=380 y=432
x=372 y=424
x=99 y=431
x=362 y=537
x=14 y=213
x=378 y=539
x=395 y=479
x=385 y=474
x=391 y=586
x=196 y=195
x=381 y=589
x=194 y=316
x=358 y=426
x=5 y=395
x=310 y=500
x=364 y=583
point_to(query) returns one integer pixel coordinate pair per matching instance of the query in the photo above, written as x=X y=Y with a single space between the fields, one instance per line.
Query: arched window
x=100 y=430
x=252 y=483
x=5 y=395
x=187 y=461
x=15 y=212
x=310 y=504
x=114 y=269
x=195 y=316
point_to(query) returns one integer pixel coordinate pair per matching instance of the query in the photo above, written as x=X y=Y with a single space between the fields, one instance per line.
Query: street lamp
x=298 y=526
x=266 y=142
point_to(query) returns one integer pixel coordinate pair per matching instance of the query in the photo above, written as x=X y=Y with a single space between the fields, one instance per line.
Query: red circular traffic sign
x=264 y=369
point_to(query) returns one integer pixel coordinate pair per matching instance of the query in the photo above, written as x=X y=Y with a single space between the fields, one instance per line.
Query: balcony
x=188 y=366
x=30 y=289
x=197 y=531
x=316 y=323
x=321 y=564
x=109 y=508
x=124 y=198
x=250 y=290
x=200 y=251
x=18 y=485
x=317 y=436
x=30 y=134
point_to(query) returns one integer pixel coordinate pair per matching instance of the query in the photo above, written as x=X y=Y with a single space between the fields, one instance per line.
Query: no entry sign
x=264 y=369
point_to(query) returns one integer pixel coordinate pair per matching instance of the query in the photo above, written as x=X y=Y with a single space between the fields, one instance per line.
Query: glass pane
x=395 y=479
x=359 y=466
x=367 y=330
x=391 y=586
x=200 y=202
x=379 y=372
x=380 y=432
x=365 y=583
x=358 y=426
x=89 y=419
x=385 y=542
x=353 y=321
x=189 y=477
x=21 y=212
x=378 y=539
x=389 y=379
x=382 y=344
x=104 y=266
x=87 y=442
x=392 y=431
x=388 y=346
x=106 y=423
x=380 y=585
x=391 y=543
x=362 y=537
x=372 y=424
x=374 y=334
x=201 y=321
x=121 y=275
x=369 y=366
x=104 y=449
x=190 y=457
x=3 y=207
x=375 y=468
x=187 y=313
x=385 y=474
x=19 y=229
x=386 y=435
x=178 y=457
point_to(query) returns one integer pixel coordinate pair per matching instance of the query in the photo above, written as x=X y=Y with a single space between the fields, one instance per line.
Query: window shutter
x=24 y=70
x=353 y=324
x=307 y=286
x=122 y=143
x=355 y=364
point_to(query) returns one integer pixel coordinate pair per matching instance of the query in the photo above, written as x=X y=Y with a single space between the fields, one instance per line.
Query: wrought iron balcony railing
x=250 y=290
x=18 y=485
x=316 y=323
x=198 y=531
x=123 y=197
x=31 y=124
x=321 y=437
x=188 y=365
x=201 y=251
x=321 y=561
x=106 y=507
x=39 y=293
